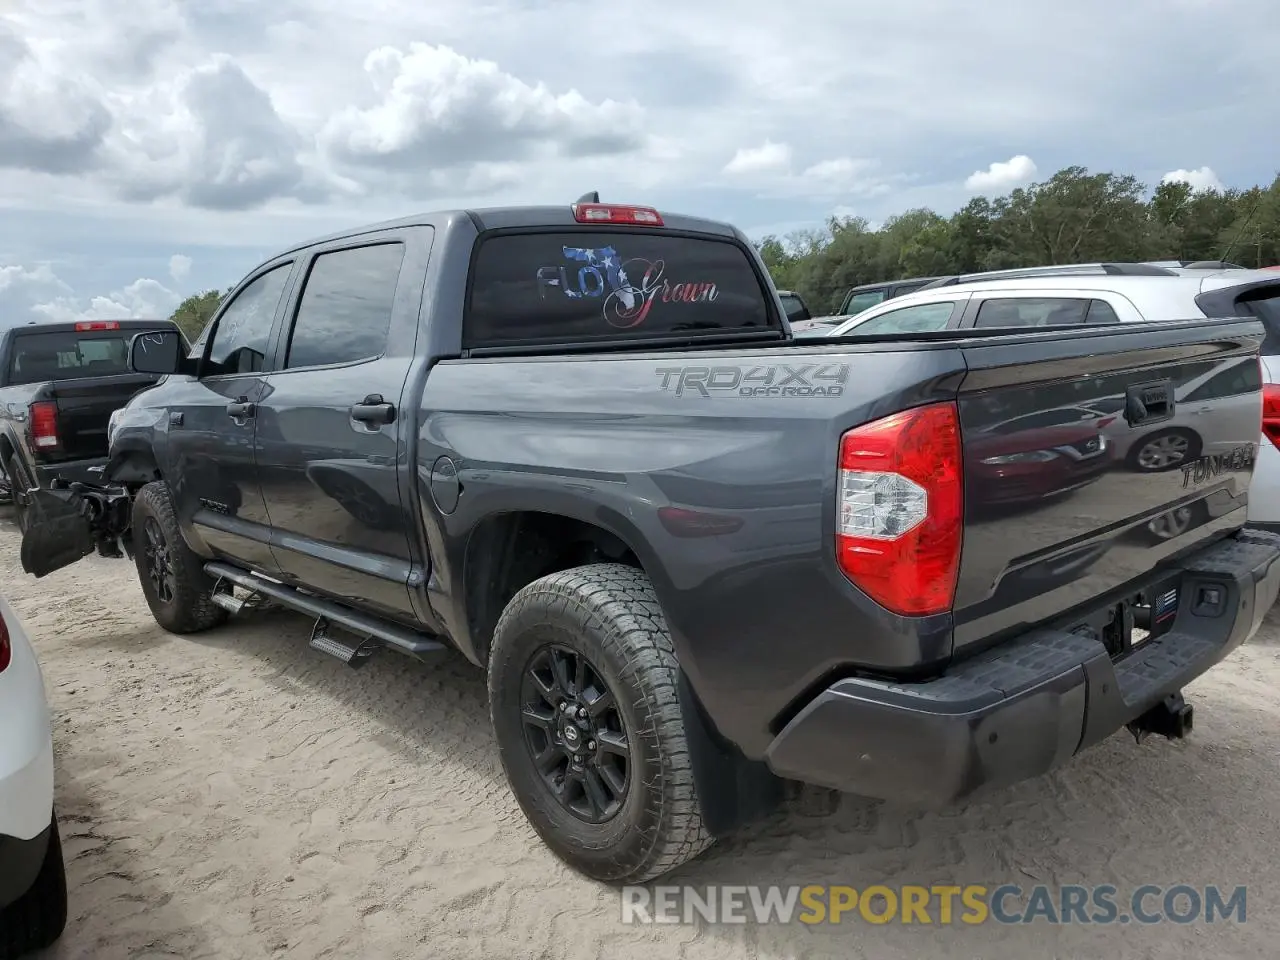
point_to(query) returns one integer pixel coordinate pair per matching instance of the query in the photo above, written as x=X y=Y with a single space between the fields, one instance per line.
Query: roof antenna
x=592 y=197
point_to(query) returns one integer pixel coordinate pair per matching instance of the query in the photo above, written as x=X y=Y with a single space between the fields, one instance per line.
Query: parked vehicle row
x=868 y=295
x=1123 y=294
x=59 y=385
x=695 y=555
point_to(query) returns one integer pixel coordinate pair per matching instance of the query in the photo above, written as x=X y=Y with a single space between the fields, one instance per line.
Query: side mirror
x=158 y=352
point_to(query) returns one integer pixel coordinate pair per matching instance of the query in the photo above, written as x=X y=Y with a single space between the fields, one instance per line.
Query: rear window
x=1265 y=305
x=584 y=286
x=903 y=289
x=38 y=357
x=794 y=306
x=1030 y=311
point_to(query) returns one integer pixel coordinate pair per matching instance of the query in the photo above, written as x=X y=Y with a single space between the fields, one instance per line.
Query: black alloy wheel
x=159 y=563
x=575 y=733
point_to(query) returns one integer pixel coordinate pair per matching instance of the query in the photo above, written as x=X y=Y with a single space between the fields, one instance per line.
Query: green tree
x=1073 y=217
x=194 y=312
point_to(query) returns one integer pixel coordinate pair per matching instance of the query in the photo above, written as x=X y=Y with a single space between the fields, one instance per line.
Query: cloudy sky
x=153 y=148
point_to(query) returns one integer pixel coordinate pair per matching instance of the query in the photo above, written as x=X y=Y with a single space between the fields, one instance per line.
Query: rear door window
x=1030 y=311
x=38 y=357
x=919 y=318
x=345 y=309
x=586 y=286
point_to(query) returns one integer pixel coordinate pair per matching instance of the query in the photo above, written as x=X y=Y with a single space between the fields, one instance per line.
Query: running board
x=402 y=639
x=352 y=656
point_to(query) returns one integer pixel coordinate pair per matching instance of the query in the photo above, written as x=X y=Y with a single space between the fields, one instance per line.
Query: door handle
x=373 y=410
x=241 y=408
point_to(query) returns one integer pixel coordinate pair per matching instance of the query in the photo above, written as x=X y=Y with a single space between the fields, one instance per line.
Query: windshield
x=38 y=357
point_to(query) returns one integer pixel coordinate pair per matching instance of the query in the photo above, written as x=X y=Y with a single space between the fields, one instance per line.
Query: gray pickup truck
x=697 y=558
x=59 y=385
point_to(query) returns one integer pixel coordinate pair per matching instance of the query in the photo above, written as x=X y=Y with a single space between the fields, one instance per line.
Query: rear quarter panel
x=747 y=579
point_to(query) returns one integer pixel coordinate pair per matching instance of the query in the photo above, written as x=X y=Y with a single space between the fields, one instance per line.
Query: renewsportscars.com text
x=935 y=904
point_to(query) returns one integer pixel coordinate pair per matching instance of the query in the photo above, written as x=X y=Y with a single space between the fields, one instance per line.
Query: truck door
x=333 y=443
x=209 y=447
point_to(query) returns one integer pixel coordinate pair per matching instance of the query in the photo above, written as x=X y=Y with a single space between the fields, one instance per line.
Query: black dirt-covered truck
x=698 y=558
x=59 y=385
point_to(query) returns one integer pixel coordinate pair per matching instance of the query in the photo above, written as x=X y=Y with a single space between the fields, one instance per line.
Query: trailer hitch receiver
x=1172 y=718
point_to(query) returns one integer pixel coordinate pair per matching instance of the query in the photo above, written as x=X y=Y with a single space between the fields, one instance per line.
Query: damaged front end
x=69 y=521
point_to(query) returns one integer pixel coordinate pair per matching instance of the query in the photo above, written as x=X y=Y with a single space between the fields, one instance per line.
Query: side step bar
x=410 y=642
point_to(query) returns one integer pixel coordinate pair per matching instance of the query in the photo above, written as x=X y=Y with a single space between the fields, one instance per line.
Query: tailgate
x=1090 y=465
x=84 y=409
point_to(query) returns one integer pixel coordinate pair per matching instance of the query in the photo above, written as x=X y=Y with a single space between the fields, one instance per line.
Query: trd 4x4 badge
x=780 y=380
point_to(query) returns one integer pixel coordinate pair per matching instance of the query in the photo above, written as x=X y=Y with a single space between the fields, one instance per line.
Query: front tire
x=583 y=698
x=177 y=589
x=36 y=919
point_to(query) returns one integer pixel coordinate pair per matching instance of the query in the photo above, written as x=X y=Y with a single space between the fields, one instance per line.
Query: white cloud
x=15 y=277
x=179 y=267
x=1002 y=175
x=769 y=157
x=1200 y=179
x=48 y=120
x=769 y=168
x=144 y=299
x=437 y=108
x=38 y=293
x=212 y=138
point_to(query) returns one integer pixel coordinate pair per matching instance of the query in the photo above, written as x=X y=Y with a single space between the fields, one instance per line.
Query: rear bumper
x=1025 y=707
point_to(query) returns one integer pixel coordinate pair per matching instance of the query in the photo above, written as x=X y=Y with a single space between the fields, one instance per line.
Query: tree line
x=1073 y=217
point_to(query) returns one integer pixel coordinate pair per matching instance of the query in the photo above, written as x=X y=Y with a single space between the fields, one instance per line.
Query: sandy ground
x=239 y=795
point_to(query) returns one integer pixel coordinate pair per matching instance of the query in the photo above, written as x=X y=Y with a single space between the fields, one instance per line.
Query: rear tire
x=615 y=820
x=177 y=589
x=36 y=919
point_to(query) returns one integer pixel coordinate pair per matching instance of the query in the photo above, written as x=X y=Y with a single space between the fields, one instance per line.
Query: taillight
x=6 y=646
x=44 y=424
x=1271 y=412
x=616 y=213
x=900 y=507
x=86 y=325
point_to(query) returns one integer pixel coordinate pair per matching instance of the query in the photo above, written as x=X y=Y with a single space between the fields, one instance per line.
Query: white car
x=33 y=886
x=1119 y=293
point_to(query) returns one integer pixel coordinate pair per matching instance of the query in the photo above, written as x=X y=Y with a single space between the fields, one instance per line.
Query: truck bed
x=738 y=447
x=85 y=405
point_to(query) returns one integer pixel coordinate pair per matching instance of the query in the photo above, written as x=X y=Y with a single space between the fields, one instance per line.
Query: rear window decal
x=627 y=289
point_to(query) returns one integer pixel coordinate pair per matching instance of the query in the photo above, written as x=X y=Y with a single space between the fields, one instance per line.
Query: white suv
x=1121 y=293
x=33 y=887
